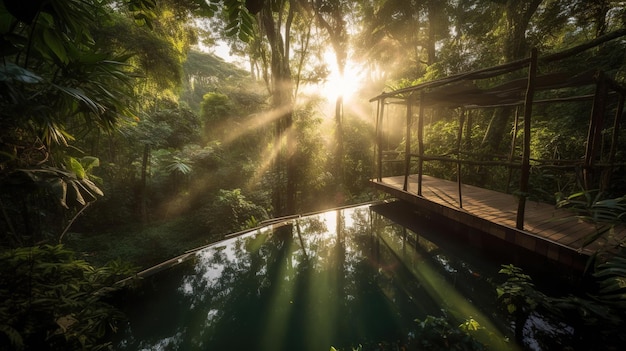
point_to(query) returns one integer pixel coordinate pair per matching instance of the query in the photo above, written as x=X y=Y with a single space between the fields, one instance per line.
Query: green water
x=339 y=278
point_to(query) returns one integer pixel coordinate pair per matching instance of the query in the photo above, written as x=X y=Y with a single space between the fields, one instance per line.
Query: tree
x=217 y=108
x=330 y=15
x=275 y=20
x=516 y=17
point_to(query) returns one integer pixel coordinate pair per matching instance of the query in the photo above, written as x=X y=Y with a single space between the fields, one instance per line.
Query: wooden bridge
x=401 y=161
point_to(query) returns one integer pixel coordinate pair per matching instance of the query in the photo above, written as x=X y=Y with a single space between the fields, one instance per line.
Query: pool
x=341 y=279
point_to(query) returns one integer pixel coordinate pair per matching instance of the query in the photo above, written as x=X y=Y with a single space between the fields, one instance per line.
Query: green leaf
x=85 y=191
x=92 y=187
x=78 y=196
x=76 y=167
x=82 y=97
x=55 y=44
x=511 y=308
x=610 y=271
x=89 y=162
x=10 y=71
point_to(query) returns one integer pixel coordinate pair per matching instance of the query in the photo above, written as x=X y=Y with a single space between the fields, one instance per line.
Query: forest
x=125 y=139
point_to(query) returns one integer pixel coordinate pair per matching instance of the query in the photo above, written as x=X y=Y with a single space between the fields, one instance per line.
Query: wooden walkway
x=548 y=231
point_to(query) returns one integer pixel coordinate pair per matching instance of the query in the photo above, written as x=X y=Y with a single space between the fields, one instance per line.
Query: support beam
x=528 y=110
x=594 y=135
x=420 y=145
x=407 y=140
x=608 y=172
x=379 y=139
x=458 y=155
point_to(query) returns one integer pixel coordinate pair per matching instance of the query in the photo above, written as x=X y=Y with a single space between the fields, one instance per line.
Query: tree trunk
x=339 y=148
x=517 y=17
x=497 y=128
x=284 y=197
x=335 y=26
x=433 y=18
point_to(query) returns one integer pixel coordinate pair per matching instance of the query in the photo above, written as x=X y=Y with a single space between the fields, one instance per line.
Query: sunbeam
x=254 y=123
x=272 y=151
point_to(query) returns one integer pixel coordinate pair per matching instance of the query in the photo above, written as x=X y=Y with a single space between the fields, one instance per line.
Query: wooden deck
x=548 y=231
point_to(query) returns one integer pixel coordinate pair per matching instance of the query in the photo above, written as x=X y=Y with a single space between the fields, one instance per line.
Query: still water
x=341 y=278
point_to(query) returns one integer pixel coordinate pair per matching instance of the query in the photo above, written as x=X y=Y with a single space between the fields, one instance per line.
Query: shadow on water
x=338 y=278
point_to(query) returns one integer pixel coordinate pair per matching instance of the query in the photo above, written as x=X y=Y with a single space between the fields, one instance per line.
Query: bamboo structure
x=513 y=85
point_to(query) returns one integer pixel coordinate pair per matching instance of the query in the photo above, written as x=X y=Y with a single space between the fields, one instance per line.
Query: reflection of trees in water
x=265 y=289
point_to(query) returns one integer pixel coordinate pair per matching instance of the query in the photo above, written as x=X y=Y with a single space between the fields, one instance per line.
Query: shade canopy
x=490 y=88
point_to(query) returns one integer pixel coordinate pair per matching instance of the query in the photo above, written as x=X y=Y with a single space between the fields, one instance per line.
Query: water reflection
x=338 y=278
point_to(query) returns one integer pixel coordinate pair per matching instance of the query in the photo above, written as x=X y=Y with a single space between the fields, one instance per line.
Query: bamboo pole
x=530 y=92
x=606 y=179
x=420 y=145
x=458 y=155
x=379 y=139
x=407 y=147
x=595 y=129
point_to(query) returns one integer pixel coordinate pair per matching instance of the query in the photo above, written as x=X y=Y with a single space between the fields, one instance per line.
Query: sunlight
x=253 y=124
x=262 y=168
x=271 y=155
x=336 y=85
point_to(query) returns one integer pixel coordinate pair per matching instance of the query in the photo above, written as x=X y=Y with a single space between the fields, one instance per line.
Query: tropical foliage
x=113 y=121
x=52 y=301
x=590 y=320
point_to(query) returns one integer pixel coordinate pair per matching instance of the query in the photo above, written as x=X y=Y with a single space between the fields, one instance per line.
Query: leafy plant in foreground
x=585 y=322
x=436 y=333
x=432 y=334
x=605 y=214
x=35 y=199
x=52 y=301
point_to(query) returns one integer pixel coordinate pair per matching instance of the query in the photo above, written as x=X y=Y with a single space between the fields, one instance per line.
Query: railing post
x=606 y=179
x=528 y=109
x=379 y=139
x=407 y=147
x=420 y=144
x=594 y=136
x=458 y=155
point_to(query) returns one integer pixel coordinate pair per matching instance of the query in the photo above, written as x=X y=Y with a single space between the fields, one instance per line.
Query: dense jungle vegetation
x=125 y=140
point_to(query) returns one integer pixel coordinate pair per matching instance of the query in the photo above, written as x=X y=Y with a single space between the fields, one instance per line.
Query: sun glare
x=336 y=85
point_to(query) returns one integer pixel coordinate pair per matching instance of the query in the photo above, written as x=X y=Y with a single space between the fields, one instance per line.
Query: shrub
x=52 y=301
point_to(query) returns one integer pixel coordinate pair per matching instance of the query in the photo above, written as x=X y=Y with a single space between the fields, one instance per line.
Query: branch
x=588 y=45
x=72 y=221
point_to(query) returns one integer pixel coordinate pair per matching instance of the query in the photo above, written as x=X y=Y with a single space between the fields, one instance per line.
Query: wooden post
x=407 y=147
x=528 y=109
x=420 y=144
x=379 y=139
x=512 y=153
x=606 y=178
x=595 y=128
x=458 y=155
x=468 y=132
